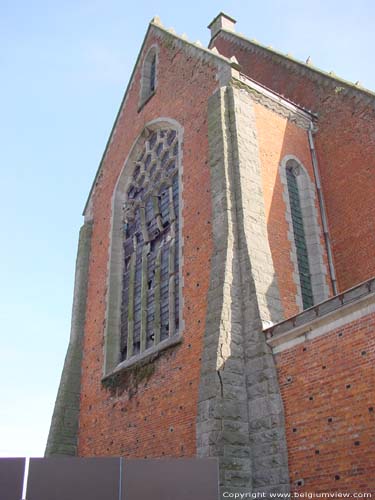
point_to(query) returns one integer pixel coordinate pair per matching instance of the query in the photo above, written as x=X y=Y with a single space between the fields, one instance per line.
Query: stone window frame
x=146 y=92
x=315 y=249
x=112 y=330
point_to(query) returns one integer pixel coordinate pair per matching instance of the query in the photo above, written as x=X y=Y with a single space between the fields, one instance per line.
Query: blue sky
x=64 y=68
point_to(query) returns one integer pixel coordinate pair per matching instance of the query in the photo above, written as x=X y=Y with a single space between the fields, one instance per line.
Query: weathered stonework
x=212 y=388
x=312 y=231
x=344 y=145
x=62 y=438
x=274 y=102
x=324 y=78
x=240 y=416
x=222 y=424
x=260 y=302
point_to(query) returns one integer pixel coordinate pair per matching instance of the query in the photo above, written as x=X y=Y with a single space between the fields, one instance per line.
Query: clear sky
x=64 y=67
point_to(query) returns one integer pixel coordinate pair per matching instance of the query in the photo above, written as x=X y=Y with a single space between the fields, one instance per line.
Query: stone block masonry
x=345 y=146
x=220 y=388
x=240 y=414
x=62 y=438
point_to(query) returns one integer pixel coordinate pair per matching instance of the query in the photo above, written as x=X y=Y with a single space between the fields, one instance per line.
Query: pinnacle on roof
x=221 y=21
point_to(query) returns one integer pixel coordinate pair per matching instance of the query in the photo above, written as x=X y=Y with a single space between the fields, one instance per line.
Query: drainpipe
x=322 y=209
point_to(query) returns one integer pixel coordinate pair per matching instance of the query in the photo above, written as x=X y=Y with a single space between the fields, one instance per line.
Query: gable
x=174 y=43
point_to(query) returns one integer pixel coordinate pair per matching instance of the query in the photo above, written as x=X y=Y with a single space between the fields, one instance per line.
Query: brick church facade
x=224 y=304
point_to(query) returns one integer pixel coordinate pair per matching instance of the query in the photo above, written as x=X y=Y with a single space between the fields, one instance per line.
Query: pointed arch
x=144 y=280
x=304 y=233
x=149 y=74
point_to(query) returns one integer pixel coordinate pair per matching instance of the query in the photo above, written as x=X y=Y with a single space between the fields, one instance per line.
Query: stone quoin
x=224 y=300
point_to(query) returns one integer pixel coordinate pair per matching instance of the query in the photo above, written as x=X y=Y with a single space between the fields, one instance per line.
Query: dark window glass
x=299 y=239
x=150 y=303
x=153 y=73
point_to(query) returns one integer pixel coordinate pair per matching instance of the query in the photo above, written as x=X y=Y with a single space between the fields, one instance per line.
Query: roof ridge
x=155 y=21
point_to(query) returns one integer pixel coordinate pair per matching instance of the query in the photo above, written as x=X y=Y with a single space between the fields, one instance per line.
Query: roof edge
x=304 y=322
x=263 y=89
x=115 y=122
x=156 y=24
x=287 y=58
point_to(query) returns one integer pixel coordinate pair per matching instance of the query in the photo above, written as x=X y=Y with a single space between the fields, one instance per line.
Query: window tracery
x=150 y=298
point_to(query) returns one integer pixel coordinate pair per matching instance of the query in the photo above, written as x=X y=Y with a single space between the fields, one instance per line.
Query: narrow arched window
x=150 y=297
x=299 y=237
x=153 y=73
x=149 y=75
x=305 y=233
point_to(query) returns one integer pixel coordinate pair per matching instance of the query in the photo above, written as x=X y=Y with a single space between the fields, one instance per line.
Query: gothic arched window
x=148 y=78
x=150 y=283
x=304 y=233
x=299 y=237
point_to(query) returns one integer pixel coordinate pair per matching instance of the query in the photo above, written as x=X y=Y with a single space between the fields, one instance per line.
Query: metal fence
x=108 y=478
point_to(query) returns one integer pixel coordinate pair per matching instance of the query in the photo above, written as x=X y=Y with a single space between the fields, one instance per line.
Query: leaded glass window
x=150 y=294
x=299 y=238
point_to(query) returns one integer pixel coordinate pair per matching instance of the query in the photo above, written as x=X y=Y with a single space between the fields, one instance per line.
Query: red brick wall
x=277 y=137
x=157 y=416
x=345 y=145
x=331 y=377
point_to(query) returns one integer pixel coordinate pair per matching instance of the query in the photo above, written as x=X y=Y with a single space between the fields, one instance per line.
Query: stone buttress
x=240 y=412
x=62 y=438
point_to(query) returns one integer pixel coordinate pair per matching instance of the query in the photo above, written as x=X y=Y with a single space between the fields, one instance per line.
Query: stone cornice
x=315 y=74
x=333 y=313
x=198 y=50
x=275 y=102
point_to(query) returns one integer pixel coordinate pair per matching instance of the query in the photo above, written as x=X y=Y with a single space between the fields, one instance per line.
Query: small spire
x=358 y=83
x=214 y=50
x=199 y=43
x=308 y=60
x=184 y=36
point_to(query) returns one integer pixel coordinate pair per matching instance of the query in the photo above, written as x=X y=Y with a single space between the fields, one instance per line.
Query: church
x=224 y=299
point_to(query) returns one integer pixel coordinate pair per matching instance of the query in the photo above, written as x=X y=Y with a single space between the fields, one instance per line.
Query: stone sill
x=145 y=357
x=322 y=309
x=323 y=318
x=143 y=103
